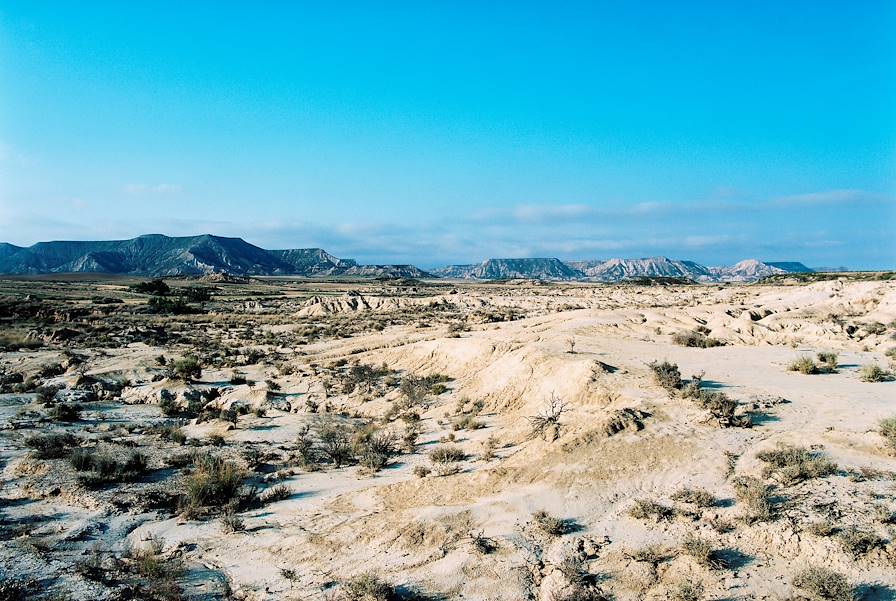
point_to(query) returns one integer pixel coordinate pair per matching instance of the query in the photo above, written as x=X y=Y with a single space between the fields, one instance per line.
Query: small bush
x=647 y=509
x=822 y=528
x=335 y=444
x=64 y=412
x=157 y=287
x=795 y=464
x=176 y=435
x=548 y=420
x=468 y=422
x=281 y=492
x=231 y=522
x=823 y=583
x=858 y=542
x=828 y=360
x=368 y=587
x=756 y=496
x=702 y=552
x=101 y=467
x=46 y=394
x=214 y=481
x=804 y=365
x=888 y=431
x=695 y=496
x=667 y=375
x=696 y=339
x=446 y=454
x=872 y=372
x=51 y=446
x=187 y=367
x=421 y=471
x=688 y=590
x=548 y=524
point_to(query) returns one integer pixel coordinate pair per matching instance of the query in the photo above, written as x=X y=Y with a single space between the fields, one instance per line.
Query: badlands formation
x=293 y=439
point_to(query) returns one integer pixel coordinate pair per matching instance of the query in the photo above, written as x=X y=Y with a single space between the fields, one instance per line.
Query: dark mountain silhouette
x=159 y=255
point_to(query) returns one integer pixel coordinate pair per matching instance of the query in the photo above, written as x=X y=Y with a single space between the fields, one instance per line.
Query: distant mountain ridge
x=503 y=269
x=158 y=255
x=616 y=270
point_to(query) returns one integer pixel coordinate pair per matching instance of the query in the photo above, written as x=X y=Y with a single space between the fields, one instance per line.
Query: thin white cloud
x=137 y=189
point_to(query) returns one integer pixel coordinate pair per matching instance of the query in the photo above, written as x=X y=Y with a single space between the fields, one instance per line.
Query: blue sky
x=450 y=132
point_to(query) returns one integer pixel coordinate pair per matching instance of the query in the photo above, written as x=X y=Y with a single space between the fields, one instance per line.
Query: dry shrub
x=214 y=481
x=548 y=420
x=824 y=583
x=667 y=375
x=548 y=524
x=858 y=542
x=281 y=492
x=687 y=590
x=804 y=365
x=51 y=446
x=888 y=431
x=648 y=509
x=696 y=339
x=756 y=495
x=872 y=372
x=695 y=496
x=822 y=528
x=795 y=464
x=367 y=587
x=702 y=552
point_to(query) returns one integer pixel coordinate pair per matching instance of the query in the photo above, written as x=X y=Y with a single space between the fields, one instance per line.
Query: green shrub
x=157 y=287
x=187 y=367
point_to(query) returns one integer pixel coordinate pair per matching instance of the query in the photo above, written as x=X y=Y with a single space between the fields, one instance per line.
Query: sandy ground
x=422 y=535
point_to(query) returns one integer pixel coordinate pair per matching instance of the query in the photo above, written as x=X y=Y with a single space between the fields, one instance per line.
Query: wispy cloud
x=137 y=189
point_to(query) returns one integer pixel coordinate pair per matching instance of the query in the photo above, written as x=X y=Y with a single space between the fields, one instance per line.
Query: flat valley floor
x=299 y=439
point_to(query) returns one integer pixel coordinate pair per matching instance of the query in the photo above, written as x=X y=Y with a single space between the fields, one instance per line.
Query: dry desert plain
x=302 y=439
